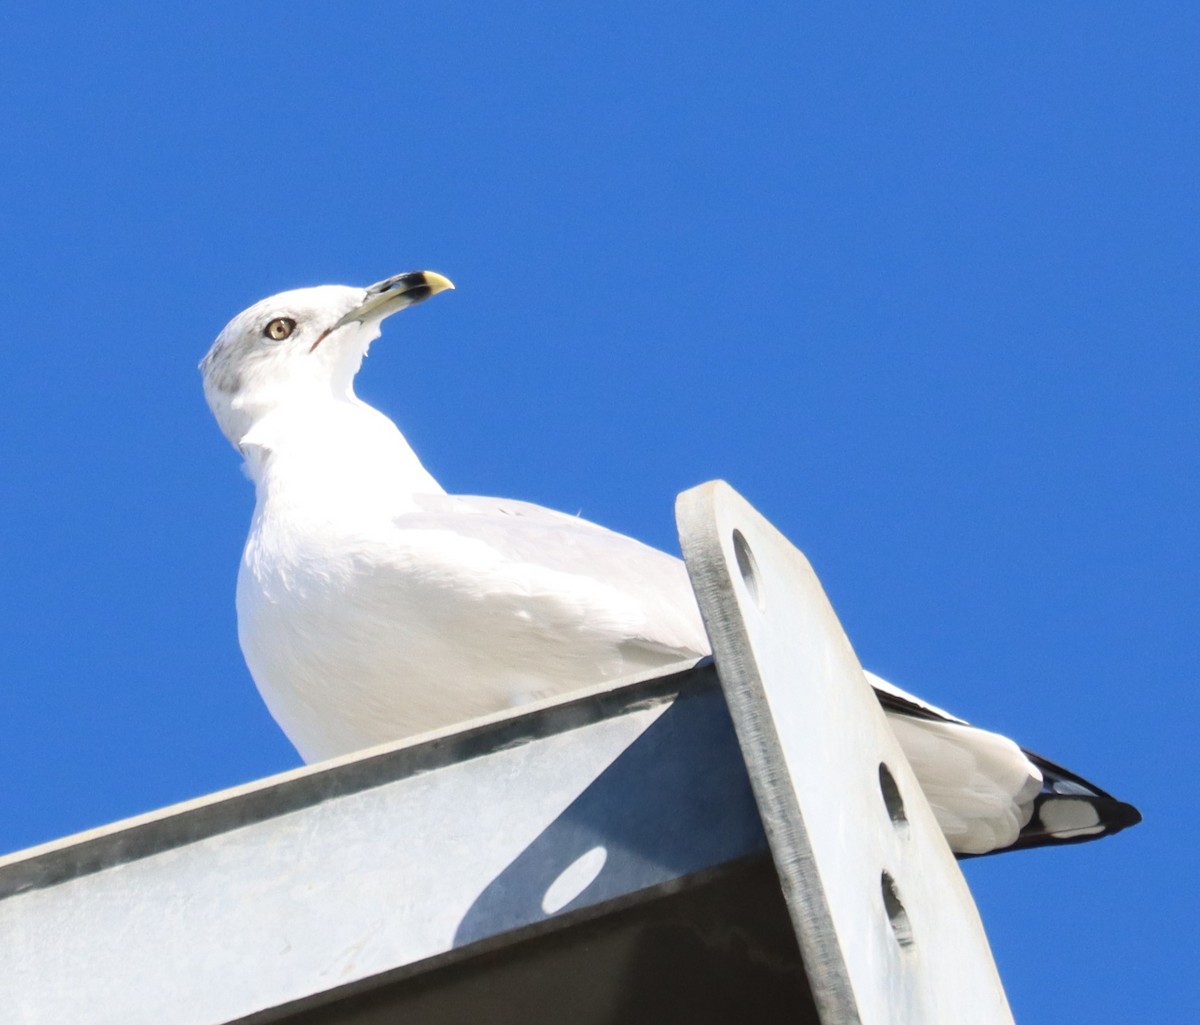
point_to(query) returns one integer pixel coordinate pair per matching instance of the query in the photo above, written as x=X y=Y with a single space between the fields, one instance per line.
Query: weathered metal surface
x=269 y=894
x=718 y=951
x=886 y=925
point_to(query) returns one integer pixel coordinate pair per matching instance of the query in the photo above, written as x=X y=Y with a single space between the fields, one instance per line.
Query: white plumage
x=373 y=606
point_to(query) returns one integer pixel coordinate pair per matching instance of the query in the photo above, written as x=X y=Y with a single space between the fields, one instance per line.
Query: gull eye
x=280 y=328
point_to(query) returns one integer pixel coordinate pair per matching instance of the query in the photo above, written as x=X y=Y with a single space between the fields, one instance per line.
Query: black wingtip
x=1123 y=816
x=1070 y=810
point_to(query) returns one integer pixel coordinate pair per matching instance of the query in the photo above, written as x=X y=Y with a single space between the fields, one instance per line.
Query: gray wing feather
x=639 y=575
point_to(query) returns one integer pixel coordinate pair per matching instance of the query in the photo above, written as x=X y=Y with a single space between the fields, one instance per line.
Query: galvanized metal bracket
x=886 y=925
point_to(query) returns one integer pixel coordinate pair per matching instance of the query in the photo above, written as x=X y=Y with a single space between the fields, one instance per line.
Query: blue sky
x=922 y=285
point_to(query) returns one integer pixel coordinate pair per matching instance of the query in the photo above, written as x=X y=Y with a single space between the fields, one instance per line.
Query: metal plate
x=887 y=928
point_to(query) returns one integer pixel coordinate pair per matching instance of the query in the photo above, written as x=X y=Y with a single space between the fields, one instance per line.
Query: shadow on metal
x=644 y=818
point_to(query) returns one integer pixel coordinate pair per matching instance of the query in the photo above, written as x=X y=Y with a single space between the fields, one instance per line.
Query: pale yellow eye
x=280 y=328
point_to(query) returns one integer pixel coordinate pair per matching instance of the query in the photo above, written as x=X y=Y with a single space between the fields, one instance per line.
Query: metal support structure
x=887 y=928
x=598 y=857
x=302 y=888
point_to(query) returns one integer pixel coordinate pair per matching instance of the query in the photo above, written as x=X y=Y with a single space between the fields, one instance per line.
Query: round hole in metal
x=747 y=567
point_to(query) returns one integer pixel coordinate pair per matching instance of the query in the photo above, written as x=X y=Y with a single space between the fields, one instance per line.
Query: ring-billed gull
x=373 y=606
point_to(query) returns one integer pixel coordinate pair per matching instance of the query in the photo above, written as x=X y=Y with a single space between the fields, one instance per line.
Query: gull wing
x=988 y=793
x=637 y=595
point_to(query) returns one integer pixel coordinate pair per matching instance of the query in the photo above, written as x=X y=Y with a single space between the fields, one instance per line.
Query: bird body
x=374 y=606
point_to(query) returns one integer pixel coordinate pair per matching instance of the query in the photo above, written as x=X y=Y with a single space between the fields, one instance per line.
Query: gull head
x=301 y=346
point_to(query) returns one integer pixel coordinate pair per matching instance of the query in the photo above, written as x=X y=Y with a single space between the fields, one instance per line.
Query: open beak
x=392 y=295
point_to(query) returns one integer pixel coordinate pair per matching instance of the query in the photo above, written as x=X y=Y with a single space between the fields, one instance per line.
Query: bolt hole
x=747 y=567
x=892 y=799
x=897 y=916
